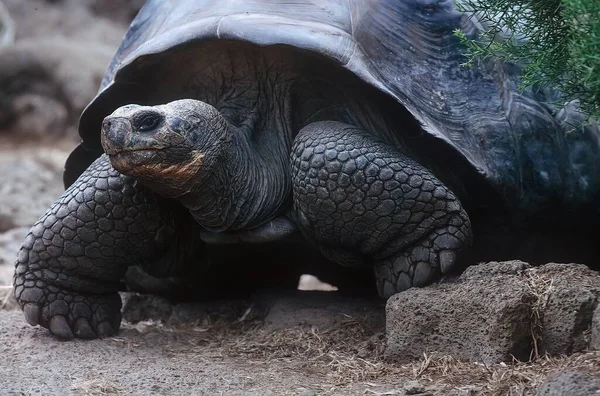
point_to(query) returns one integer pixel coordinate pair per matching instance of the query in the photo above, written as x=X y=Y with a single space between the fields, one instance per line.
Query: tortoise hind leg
x=70 y=265
x=361 y=202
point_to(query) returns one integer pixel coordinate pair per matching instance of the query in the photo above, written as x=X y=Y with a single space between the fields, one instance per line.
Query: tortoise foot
x=65 y=313
x=70 y=265
x=424 y=262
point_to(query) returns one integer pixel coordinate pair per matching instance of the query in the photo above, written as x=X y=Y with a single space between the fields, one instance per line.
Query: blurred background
x=53 y=54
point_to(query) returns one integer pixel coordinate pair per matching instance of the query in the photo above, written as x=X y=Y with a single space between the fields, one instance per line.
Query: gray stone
x=493 y=311
x=571 y=383
x=567 y=307
x=493 y=268
x=477 y=319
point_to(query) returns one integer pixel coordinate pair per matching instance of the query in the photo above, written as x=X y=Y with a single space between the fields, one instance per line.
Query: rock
x=571 y=383
x=569 y=295
x=494 y=311
x=478 y=319
x=494 y=268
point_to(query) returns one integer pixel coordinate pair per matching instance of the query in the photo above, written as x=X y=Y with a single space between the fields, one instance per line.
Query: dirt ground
x=330 y=353
x=217 y=358
x=152 y=360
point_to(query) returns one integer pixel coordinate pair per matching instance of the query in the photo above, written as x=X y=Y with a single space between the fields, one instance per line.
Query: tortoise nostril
x=106 y=125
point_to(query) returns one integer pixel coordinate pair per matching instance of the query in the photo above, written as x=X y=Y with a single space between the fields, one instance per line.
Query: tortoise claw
x=60 y=328
x=104 y=329
x=32 y=314
x=82 y=329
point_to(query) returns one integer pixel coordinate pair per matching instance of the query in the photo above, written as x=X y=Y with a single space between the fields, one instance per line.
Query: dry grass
x=349 y=353
x=516 y=378
x=352 y=353
x=541 y=289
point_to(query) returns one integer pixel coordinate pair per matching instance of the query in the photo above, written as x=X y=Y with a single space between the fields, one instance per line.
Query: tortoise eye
x=148 y=122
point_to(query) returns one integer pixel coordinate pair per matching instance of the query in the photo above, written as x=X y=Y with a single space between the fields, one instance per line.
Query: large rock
x=570 y=383
x=569 y=296
x=494 y=312
x=478 y=318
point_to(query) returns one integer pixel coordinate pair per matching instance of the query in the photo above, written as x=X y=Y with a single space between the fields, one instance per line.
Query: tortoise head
x=168 y=147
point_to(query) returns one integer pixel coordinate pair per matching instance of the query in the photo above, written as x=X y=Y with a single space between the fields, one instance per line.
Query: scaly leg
x=70 y=264
x=361 y=202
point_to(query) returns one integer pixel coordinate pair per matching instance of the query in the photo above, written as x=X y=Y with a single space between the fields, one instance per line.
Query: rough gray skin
x=69 y=265
x=362 y=202
x=392 y=213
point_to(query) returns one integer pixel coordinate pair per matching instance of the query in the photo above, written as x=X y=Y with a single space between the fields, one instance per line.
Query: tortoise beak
x=114 y=134
x=118 y=137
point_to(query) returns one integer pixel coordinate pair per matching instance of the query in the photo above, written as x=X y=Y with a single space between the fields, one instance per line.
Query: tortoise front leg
x=70 y=264
x=361 y=202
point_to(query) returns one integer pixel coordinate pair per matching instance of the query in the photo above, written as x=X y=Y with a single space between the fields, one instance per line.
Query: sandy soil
x=222 y=357
x=152 y=361
x=299 y=345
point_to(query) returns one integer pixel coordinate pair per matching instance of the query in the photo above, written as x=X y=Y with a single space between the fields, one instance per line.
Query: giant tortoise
x=351 y=121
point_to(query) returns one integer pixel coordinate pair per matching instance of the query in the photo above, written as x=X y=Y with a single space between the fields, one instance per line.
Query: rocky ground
x=461 y=337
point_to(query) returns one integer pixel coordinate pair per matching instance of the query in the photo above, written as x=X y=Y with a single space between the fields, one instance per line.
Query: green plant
x=557 y=41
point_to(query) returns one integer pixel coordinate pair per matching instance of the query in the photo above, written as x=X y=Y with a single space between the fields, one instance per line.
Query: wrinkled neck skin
x=249 y=184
